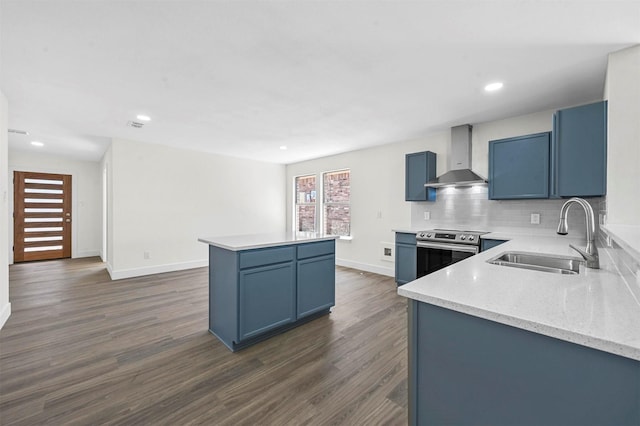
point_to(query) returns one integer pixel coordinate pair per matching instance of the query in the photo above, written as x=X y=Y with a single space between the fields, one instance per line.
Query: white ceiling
x=242 y=78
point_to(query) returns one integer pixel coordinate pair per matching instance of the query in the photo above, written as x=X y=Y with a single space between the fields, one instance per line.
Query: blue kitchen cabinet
x=468 y=370
x=257 y=293
x=579 y=151
x=316 y=278
x=406 y=260
x=267 y=298
x=486 y=244
x=519 y=167
x=420 y=167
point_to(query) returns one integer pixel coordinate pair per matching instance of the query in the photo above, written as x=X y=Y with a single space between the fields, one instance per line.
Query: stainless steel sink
x=539 y=262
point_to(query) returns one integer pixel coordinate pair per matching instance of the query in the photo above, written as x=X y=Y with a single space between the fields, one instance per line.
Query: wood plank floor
x=81 y=349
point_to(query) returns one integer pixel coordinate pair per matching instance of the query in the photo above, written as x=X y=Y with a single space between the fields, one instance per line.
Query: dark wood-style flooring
x=81 y=349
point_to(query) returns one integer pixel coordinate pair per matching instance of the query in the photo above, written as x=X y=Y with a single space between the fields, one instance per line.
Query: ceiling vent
x=19 y=132
x=135 y=124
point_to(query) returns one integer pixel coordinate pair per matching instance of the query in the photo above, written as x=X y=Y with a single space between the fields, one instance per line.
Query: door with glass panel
x=42 y=216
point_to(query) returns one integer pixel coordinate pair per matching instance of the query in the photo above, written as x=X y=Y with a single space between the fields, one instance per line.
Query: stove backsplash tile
x=471 y=208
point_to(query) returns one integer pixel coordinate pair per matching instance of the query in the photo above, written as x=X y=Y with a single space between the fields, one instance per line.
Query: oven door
x=434 y=256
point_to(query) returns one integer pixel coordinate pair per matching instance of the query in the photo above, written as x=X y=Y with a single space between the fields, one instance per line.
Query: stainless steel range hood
x=460 y=173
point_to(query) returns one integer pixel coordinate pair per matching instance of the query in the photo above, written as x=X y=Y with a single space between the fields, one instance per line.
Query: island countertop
x=253 y=241
x=596 y=308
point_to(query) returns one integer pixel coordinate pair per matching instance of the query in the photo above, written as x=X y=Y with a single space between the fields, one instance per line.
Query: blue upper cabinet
x=579 y=151
x=420 y=167
x=519 y=167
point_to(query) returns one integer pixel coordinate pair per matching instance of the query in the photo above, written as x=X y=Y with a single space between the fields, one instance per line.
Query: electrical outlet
x=146 y=255
x=379 y=215
x=427 y=215
x=535 y=218
x=386 y=252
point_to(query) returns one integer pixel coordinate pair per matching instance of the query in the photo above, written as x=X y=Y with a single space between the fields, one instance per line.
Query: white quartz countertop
x=253 y=241
x=595 y=308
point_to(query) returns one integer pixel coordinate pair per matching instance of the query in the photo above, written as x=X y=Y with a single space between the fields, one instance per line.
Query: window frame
x=319 y=202
x=295 y=203
x=323 y=202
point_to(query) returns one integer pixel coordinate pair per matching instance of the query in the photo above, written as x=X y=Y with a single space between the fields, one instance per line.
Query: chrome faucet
x=590 y=254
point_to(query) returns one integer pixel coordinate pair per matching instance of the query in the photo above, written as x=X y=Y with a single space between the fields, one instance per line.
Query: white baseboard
x=158 y=269
x=5 y=314
x=87 y=253
x=382 y=270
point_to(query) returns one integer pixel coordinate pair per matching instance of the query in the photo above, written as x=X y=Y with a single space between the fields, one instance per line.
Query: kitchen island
x=491 y=344
x=262 y=285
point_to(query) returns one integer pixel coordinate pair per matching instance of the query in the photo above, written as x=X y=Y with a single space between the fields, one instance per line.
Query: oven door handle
x=445 y=246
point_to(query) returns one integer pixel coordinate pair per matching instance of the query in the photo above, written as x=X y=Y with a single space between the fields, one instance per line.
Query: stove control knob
x=471 y=238
x=463 y=237
x=428 y=235
x=421 y=235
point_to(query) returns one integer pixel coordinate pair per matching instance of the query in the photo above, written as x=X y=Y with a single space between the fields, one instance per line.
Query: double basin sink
x=539 y=262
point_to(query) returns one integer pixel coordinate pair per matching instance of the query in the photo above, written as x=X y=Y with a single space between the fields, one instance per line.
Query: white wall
x=107 y=210
x=163 y=199
x=622 y=91
x=377 y=185
x=86 y=195
x=506 y=128
x=5 y=195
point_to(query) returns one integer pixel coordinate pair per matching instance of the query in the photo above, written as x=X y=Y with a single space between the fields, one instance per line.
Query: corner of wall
x=5 y=306
x=5 y=314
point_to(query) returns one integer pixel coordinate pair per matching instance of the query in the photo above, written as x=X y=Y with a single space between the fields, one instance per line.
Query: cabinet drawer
x=269 y=256
x=316 y=249
x=405 y=238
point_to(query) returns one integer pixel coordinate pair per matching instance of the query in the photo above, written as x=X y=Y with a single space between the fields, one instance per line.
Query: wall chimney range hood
x=460 y=173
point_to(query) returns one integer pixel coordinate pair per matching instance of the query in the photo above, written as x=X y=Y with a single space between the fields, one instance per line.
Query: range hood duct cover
x=460 y=173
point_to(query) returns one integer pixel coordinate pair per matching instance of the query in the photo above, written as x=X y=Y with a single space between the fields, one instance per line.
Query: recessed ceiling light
x=283 y=147
x=143 y=117
x=492 y=87
x=36 y=143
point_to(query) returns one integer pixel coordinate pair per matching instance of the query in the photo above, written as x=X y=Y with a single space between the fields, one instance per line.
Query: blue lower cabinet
x=267 y=298
x=406 y=260
x=257 y=293
x=465 y=370
x=316 y=285
x=486 y=244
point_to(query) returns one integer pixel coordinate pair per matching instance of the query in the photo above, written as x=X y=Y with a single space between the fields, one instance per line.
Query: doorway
x=42 y=216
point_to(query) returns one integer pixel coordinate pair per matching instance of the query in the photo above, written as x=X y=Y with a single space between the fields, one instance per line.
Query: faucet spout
x=590 y=254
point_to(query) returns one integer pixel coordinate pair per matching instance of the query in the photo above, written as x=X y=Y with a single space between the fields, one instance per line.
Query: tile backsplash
x=469 y=207
x=627 y=265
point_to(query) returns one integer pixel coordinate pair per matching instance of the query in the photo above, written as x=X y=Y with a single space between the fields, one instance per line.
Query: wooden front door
x=42 y=216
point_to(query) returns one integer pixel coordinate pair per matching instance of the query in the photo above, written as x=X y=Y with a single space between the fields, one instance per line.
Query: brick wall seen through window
x=305 y=204
x=336 y=202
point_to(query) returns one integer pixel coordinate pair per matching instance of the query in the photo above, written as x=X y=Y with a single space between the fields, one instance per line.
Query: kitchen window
x=336 y=208
x=305 y=211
